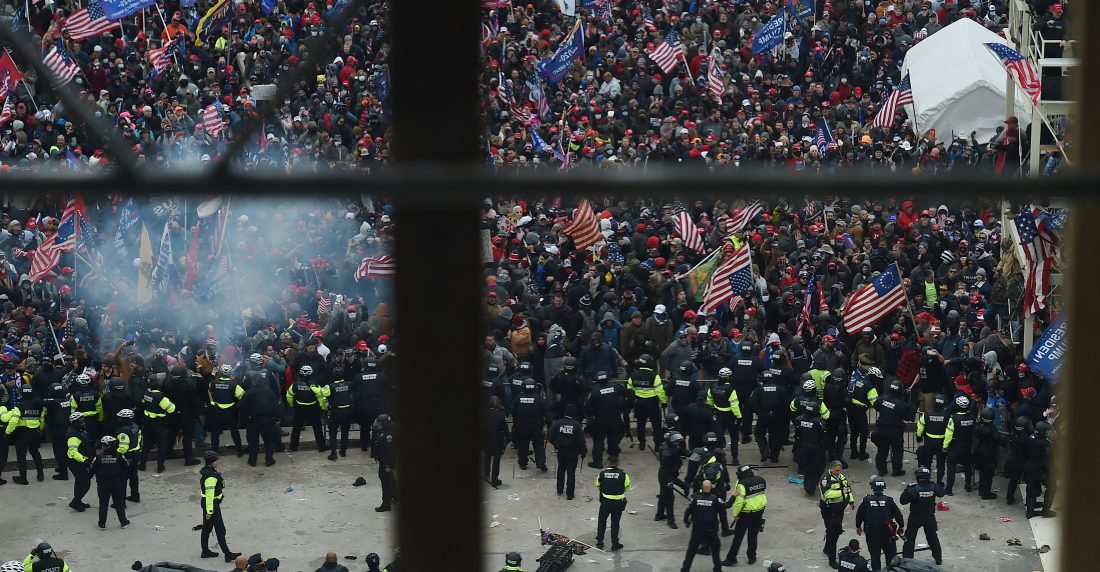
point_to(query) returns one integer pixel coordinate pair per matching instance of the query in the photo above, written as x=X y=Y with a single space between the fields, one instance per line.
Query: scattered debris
x=158 y=527
x=351 y=557
x=1013 y=542
x=647 y=504
x=810 y=531
x=632 y=511
x=942 y=506
x=494 y=524
x=983 y=536
x=359 y=482
x=289 y=490
x=1005 y=519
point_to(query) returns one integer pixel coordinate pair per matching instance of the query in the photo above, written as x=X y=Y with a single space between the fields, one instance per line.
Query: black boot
x=230 y=556
x=209 y=554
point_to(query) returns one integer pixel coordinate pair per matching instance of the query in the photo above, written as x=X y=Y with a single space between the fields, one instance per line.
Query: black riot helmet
x=1022 y=424
x=840 y=375
x=1042 y=428
x=687 y=367
x=337 y=373
x=701 y=397
x=744 y=471
x=602 y=377
x=372 y=364
x=878 y=484
x=492 y=370
x=896 y=388
x=710 y=439
x=56 y=390
x=645 y=360
x=524 y=368
x=569 y=363
x=671 y=418
x=177 y=373
x=513 y=559
x=987 y=415
x=939 y=400
x=923 y=475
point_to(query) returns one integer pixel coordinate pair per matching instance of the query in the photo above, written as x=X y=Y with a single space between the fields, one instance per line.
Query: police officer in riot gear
x=339 y=412
x=722 y=396
x=24 y=428
x=703 y=515
x=769 y=401
x=683 y=388
x=649 y=397
x=86 y=401
x=110 y=468
x=1017 y=456
x=156 y=407
x=567 y=437
x=604 y=410
x=862 y=395
x=530 y=414
x=835 y=398
x=749 y=503
x=57 y=420
x=384 y=450
x=130 y=444
x=986 y=441
x=180 y=390
x=836 y=495
x=369 y=390
x=260 y=410
x=567 y=387
x=491 y=386
x=699 y=419
x=958 y=443
x=922 y=514
x=116 y=399
x=932 y=430
x=223 y=413
x=745 y=371
x=80 y=453
x=893 y=409
x=880 y=518
x=305 y=397
x=1037 y=473
x=670 y=459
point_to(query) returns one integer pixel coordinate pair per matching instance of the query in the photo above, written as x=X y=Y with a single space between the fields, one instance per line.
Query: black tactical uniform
x=703 y=515
x=746 y=369
x=111 y=469
x=260 y=410
x=835 y=397
x=530 y=414
x=613 y=483
x=893 y=410
x=862 y=395
x=180 y=389
x=1037 y=473
x=384 y=450
x=922 y=514
x=339 y=411
x=879 y=518
x=649 y=397
x=698 y=420
x=604 y=410
x=58 y=408
x=932 y=429
x=567 y=436
x=682 y=389
x=959 y=442
x=567 y=388
x=369 y=390
x=986 y=441
x=670 y=456
x=116 y=399
x=769 y=401
x=1017 y=456
x=223 y=414
x=723 y=397
x=809 y=439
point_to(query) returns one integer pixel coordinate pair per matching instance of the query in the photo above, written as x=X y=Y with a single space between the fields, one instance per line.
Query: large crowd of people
x=614 y=107
x=583 y=346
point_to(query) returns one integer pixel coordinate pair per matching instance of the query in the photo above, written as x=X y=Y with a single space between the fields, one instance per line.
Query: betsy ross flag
x=1040 y=242
x=733 y=276
x=874 y=300
x=63 y=68
x=742 y=217
x=48 y=254
x=1013 y=61
x=89 y=22
x=376 y=267
x=899 y=98
x=584 y=230
x=688 y=231
x=668 y=54
x=714 y=75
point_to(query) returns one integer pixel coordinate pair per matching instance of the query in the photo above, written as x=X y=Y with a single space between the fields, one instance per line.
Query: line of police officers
x=827 y=413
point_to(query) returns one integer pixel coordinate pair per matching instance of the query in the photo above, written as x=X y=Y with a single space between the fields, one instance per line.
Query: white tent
x=958 y=84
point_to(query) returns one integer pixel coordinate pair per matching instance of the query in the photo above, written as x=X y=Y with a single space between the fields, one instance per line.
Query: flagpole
x=908 y=304
x=703 y=261
x=33 y=102
x=97 y=269
x=687 y=67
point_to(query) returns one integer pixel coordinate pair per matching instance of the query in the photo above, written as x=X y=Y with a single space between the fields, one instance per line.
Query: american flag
x=602 y=8
x=7 y=114
x=212 y=120
x=375 y=267
x=161 y=57
x=324 y=304
x=822 y=303
x=518 y=111
x=490 y=4
x=899 y=98
x=647 y=18
x=89 y=22
x=48 y=254
x=1013 y=61
x=584 y=230
x=669 y=53
x=714 y=75
x=874 y=300
x=536 y=93
x=824 y=139
x=1040 y=243
x=807 y=320
x=733 y=276
x=688 y=231
x=63 y=68
x=742 y=217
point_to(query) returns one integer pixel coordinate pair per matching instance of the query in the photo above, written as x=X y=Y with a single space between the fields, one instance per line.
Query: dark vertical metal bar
x=1076 y=469
x=435 y=120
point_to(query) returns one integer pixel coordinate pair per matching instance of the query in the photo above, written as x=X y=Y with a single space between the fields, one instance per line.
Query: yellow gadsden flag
x=145 y=268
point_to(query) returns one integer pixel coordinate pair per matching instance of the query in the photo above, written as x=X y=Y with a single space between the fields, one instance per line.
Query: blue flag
x=1048 y=352
x=118 y=9
x=555 y=68
x=537 y=141
x=769 y=35
x=129 y=218
x=211 y=24
x=211 y=283
x=268 y=6
x=165 y=261
x=190 y=3
x=801 y=9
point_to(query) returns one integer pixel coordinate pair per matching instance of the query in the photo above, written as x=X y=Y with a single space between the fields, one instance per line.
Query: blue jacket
x=596 y=359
